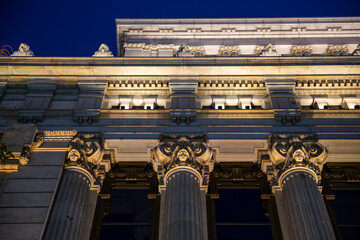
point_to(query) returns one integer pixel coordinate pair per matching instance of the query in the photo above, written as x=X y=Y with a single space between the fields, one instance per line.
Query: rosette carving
x=290 y=151
x=183 y=151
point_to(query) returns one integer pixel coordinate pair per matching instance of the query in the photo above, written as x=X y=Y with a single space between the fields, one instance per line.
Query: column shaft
x=306 y=215
x=68 y=208
x=183 y=210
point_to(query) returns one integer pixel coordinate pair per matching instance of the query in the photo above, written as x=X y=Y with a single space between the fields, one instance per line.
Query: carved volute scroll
x=291 y=152
x=85 y=154
x=187 y=152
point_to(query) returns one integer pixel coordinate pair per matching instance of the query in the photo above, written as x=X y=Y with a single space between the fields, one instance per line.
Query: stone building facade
x=188 y=107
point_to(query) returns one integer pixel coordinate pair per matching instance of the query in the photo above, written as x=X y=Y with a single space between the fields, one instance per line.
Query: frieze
x=140 y=114
x=126 y=92
x=231 y=92
x=235 y=114
x=340 y=113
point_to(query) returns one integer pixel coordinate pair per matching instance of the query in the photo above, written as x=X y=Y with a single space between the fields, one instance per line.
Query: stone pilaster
x=83 y=174
x=294 y=176
x=183 y=165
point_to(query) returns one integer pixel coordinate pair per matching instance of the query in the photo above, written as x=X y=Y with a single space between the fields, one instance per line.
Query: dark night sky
x=77 y=28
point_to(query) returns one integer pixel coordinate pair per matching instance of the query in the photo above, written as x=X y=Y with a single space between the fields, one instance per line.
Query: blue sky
x=77 y=28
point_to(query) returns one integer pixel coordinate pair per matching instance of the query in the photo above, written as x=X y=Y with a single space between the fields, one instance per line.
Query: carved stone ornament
x=86 y=152
x=184 y=51
x=28 y=148
x=338 y=50
x=24 y=51
x=183 y=152
x=356 y=52
x=227 y=51
x=144 y=46
x=103 y=51
x=197 y=50
x=267 y=51
x=296 y=151
x=301 y=50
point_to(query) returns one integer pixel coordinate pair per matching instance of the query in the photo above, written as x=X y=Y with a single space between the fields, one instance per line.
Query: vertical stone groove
x=183 y=210
x=306 y=209
x=67 y=215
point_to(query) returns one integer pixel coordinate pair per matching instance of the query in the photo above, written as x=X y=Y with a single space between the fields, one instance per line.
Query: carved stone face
x=183 y=155
x=74 y=155
x=298 y=156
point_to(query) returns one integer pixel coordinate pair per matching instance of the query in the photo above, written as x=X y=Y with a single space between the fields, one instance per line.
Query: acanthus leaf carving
x=291 y=151
x=183 y=151
x=86 y=152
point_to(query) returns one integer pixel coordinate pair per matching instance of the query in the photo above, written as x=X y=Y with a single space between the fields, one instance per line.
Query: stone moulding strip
x=327 y=91
x=165 y=114
x=137 y=91
x=233 y=114
x=140 y=114
x=330 y=113
x=231 y=91
x=50 y=136
x=12 y=165
x=332 y=81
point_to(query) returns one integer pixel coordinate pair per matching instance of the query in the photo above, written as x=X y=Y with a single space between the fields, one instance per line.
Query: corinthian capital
x=183 y=152
x=85 y=154
x=294 y=152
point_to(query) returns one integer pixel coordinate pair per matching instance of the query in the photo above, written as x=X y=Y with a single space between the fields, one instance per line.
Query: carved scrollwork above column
x=290 y=153
x=28 y=148
x=85 y=154
x=183 y=152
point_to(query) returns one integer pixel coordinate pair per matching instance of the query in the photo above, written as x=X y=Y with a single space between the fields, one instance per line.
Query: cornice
x=152 y=21
x=111 y=67
x=171 y=61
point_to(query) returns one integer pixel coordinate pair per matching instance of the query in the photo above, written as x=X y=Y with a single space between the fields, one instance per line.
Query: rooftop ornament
x=24 y=51
x=103 y=51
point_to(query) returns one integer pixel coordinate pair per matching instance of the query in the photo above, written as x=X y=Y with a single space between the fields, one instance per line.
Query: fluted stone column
x=68 y=211
x=82 y=174
x=305 y=207
x=295 y=176
x=183 y=165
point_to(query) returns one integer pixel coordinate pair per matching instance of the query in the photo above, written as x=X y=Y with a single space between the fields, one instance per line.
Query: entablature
x=182 y=98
